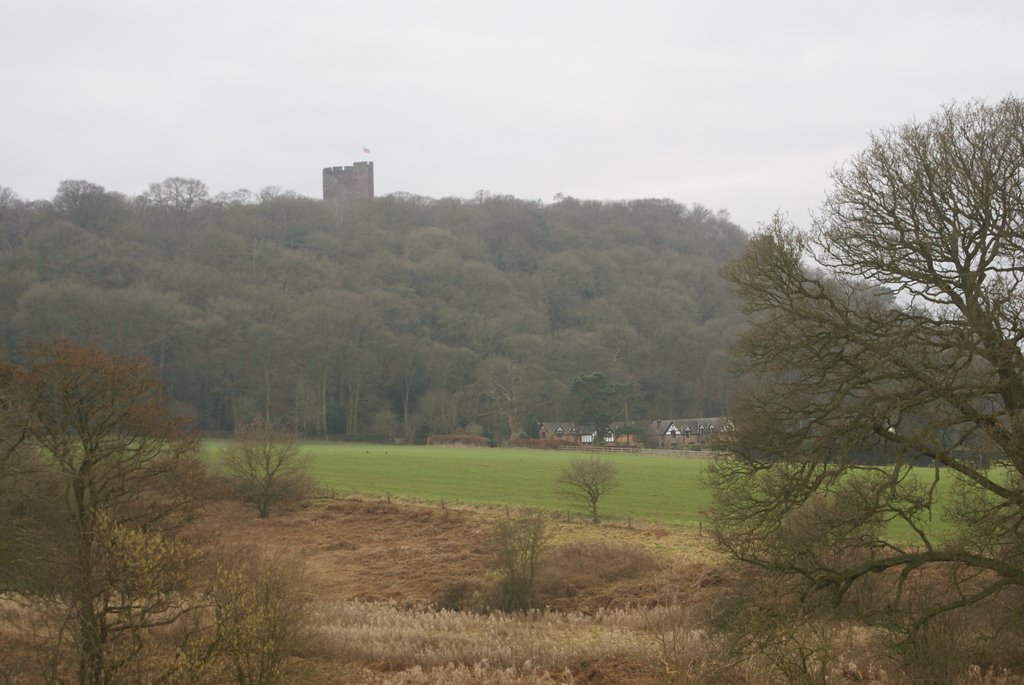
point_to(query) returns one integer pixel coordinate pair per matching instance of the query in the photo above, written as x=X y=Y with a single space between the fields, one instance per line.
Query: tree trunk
x=323 y=403
x=352 y=424
x=266 y=393
x=91 y=631
x=406 y=392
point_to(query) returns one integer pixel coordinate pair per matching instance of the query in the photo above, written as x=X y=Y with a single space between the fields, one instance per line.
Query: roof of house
x=708 y=423
x=573 y=428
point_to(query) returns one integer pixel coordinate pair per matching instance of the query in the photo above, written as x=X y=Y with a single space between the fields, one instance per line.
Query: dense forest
x=396 y=317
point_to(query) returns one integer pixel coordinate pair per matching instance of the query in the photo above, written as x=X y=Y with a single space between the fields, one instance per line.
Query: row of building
x=663 y=433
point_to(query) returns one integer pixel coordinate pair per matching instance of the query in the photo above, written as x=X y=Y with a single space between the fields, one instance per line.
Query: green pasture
x=654 y=488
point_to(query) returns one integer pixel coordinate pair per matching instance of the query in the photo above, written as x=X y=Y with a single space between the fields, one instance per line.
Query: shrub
x=260 y=615
x=460 y=595
x=685 y=649
x=518 y=543
x=454 y=440
x=568 y=569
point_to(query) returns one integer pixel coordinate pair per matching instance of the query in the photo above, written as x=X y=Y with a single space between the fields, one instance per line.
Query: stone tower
x=343 y=183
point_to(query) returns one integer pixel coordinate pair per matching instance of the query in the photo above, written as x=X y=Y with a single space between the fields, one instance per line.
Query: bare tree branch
x=889 y=336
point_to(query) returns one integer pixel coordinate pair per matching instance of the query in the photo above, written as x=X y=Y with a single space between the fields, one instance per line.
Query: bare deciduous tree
x=8 y=200
x=587 y=481
x=112 y=468
x=518 y=543
x=890 y=334
x=269 y=465
x=178 y=194
x=508 y=387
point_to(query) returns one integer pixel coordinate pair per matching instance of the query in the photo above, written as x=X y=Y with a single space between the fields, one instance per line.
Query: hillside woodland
x=394 y=318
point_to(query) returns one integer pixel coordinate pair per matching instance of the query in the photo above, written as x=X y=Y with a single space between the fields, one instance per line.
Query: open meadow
x=653 y=488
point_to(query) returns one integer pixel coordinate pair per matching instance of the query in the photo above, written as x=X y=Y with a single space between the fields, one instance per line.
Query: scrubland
x=403 y=593
x=399 y=593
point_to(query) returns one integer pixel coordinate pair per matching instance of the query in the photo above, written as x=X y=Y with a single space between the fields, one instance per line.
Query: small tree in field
x=586 y=481
x=269 y=465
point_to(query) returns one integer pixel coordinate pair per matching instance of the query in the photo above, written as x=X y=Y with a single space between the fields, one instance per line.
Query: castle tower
x=343 y=183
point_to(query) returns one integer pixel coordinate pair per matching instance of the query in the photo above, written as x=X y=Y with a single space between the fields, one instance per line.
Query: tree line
x=397 y=317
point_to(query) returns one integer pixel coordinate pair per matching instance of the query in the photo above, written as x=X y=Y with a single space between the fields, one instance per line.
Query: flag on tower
x=366 y=150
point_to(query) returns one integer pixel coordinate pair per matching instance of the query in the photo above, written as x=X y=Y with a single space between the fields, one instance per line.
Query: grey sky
x=742 y=106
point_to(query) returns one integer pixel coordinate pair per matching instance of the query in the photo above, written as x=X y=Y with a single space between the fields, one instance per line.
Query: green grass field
x=654 y=488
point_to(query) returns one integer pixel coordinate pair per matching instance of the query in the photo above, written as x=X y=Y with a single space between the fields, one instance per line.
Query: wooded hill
x=397 y=317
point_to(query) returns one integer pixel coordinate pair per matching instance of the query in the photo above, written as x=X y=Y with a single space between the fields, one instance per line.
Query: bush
x=260 y=615
x=568 y=569
x=459 y=440
x=518 y=543
x=461 y=595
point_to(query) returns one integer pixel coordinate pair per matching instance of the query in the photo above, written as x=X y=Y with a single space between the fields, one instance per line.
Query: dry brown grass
x=625 y=606
x=400 y=637
x=377 y=569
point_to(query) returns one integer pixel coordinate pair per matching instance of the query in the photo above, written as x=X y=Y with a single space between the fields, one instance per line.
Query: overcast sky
x=741 y=106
